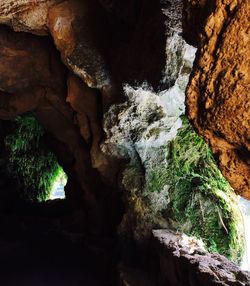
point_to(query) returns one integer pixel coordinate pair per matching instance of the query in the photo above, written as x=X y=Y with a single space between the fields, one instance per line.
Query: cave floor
x=35 y=252
x=54 y=263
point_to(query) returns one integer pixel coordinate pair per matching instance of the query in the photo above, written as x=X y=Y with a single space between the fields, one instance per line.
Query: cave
x=124 y=135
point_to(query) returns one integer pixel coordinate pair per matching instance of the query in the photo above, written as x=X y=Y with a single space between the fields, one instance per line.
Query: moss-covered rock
x=30 y=161
x=172 y=180
x=202 y=203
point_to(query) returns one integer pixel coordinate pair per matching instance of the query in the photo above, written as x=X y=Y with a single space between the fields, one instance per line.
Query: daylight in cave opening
x=245 y=211
x=57 y=190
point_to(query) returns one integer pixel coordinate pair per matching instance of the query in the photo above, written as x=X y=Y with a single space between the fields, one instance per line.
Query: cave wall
x=177 y=259
x=116 y=40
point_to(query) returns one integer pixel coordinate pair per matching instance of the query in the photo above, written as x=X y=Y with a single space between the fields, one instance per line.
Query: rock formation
x=179 y=254
x=177 y=259
x=218 y=96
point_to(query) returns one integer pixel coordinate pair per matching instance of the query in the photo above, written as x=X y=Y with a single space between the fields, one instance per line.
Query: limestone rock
x=102 y=42
x=218 y=96
x=28 y=72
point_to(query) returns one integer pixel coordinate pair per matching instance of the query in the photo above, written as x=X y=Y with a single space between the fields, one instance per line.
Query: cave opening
x=57 y=189
x=31 y=162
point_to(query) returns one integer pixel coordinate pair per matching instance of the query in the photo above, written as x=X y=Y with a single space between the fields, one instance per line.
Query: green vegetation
x=202 y=203
x=30 y=161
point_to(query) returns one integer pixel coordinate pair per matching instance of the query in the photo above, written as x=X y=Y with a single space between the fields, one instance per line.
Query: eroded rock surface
x=183 y=262
x=176 y=259
x=26 y=15
x=195 y=14
x=96 y=38
x=218 y=96
x=79 y=44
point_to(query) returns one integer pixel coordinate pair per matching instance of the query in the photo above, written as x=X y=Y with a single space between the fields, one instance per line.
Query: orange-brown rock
x=86 y=102
x=195 y=14
x=30 y=69
x=26 y=15
x=78 y=29
x=100 y=41
x=218 y=95
x=74 y=28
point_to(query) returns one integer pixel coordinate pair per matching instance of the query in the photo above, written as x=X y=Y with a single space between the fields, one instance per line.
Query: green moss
x=202 y=203
x=157 y=179
x=30 y=161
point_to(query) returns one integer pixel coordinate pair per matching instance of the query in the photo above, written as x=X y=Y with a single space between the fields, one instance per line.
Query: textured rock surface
x=146 y=130
x=79 y=39
x=80 y=45
x=88 y=34
x=175 y=259
x=218 y=96
x=183 y=262
x=26 y=15
x=140 y=129
x=195 y=14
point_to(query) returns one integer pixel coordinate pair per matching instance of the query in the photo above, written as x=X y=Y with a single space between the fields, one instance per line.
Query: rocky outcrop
x=26 y=15
x=218 y=95
x=183 y=262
